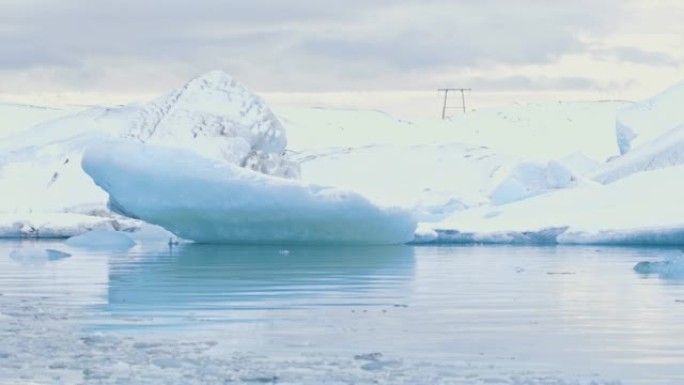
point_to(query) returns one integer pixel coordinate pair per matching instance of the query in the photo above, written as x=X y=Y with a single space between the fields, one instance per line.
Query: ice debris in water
x=35 y=255
x=102 y=240
x=672 y=267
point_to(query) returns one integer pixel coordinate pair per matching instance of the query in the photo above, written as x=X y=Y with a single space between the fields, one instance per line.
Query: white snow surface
x=204 y=200
x=439 y=167
x=19 y=117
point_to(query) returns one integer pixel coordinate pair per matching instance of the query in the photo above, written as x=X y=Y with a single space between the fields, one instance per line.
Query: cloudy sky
x=364 y=53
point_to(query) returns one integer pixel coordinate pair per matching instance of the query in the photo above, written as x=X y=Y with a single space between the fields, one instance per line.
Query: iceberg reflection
x=246 y=283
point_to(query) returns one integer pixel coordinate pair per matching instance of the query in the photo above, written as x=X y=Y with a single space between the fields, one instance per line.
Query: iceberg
x=40 y=164
x=208 y=201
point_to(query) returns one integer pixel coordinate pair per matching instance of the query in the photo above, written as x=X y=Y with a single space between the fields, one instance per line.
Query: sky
x=376 y=54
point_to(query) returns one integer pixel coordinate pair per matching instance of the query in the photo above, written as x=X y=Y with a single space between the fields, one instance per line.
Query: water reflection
x=192 y=282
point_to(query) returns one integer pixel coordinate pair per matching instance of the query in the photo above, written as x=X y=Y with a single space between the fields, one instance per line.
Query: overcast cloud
x=315 y=45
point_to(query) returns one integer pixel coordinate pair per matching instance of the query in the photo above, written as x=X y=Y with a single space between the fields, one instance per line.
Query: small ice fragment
x=34 y=255
x=102 y=240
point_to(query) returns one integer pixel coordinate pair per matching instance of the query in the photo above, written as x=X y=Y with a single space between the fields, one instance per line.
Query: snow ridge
x=644 y=121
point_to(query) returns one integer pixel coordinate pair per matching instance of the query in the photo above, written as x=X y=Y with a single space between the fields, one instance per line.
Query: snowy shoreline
x=553 y=173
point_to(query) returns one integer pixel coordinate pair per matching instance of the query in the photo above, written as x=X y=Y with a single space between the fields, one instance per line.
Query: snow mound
x=528 y=179
x=217 y=117
x=207 y=201
x=35 y=255
x=644 y=121
x=102 y=240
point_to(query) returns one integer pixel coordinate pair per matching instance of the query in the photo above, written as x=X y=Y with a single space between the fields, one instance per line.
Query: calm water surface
x=574 y=312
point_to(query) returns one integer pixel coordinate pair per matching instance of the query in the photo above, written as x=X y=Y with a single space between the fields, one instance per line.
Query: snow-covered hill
x=636 y=202
x=439 y=167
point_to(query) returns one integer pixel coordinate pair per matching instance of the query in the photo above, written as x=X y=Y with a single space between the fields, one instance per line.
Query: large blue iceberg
x=209 y=201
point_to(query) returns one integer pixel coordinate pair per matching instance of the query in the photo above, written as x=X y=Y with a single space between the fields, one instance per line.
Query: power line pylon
x=446 y=96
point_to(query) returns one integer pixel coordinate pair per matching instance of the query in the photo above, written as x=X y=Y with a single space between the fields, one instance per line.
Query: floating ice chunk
x=214 y=202
x=35 y=255
x=102 y=240
x=669 y=268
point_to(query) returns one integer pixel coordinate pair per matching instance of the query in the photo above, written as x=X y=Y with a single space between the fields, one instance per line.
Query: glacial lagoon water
x=205 y=314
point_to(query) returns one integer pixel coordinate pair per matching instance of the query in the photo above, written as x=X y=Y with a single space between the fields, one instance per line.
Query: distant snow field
x=583 y=172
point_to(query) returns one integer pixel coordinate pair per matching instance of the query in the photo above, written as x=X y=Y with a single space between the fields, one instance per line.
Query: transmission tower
x=446 y=97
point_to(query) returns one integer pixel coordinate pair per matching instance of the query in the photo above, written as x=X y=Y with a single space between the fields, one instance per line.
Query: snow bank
x=644 y=121
x=643 y=208
x=206 y=201
x=102 y=240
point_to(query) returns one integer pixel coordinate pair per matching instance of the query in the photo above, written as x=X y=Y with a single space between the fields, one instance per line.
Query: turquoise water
x=465 y=315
